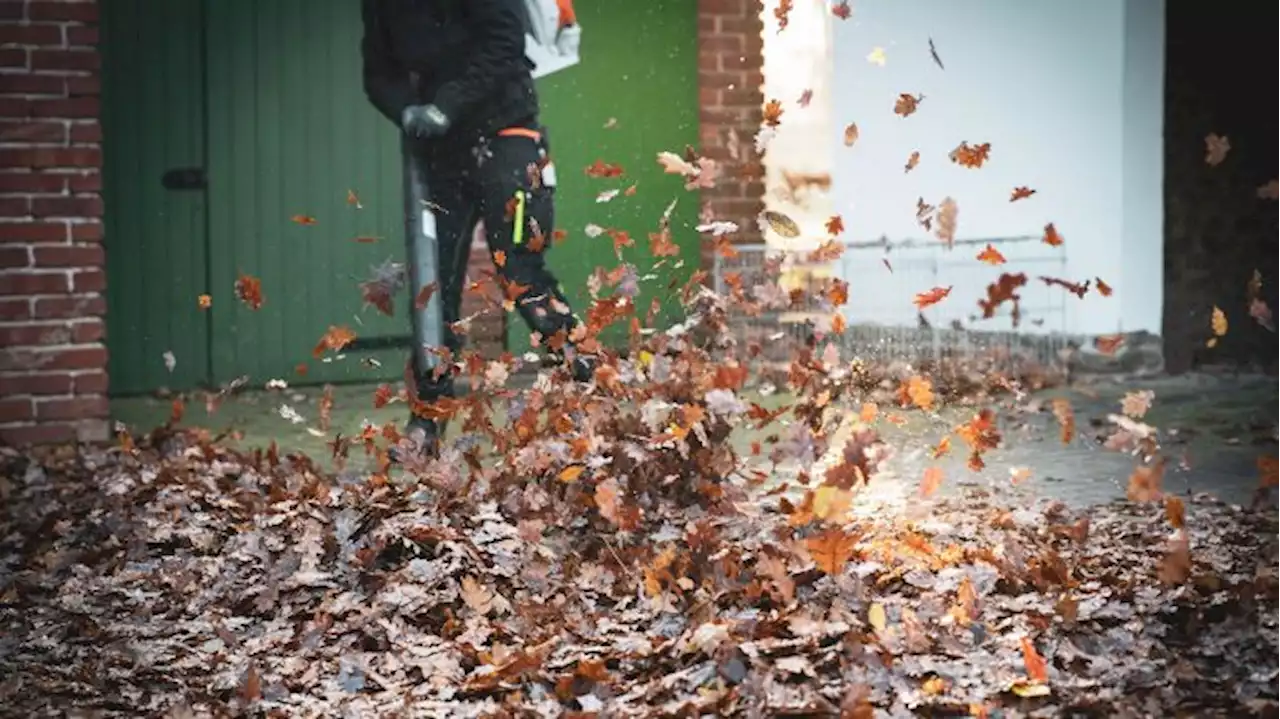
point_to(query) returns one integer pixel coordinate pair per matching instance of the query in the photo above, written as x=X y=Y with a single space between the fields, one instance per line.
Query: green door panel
x=290 y=132
x=155 y=238
x=639 y=66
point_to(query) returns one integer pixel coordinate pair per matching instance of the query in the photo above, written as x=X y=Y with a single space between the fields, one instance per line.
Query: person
x=454 y=77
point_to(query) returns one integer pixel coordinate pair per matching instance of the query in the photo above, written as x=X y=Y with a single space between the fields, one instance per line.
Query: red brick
x=708 y=97
x=735 y=8
x=82 y=85
x=91 y=330
x=82 y=35
x=738 y=97
x=739 y=61
x=69 y=256
x=21 y=436
x=41 y=157
x=60 y=307
x=24 y=84
x=13 y=57
x=80 y=60
x=743 y=25
x=721 y=43
x=33 y=232
x=722 y=80
x=34 y=334
x=30 y=35
x=89 y=281
x=71 y=107
x=67 y=206
x=13 y=106
x=24 y=359
x=15 y=206
x=15 y=410
x=706 y=26
x=12 y=9
x=86 y=232
x=85 y=11
x=11 y=257
x=74 y=408
x=33 y=283
x=32 y=182
x=91 y=182
x=59 y=383
x=708 y=62
x=86 y=133
x=15 y=309
x=90 y=383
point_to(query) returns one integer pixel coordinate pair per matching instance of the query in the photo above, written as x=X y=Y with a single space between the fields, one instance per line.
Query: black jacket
x=465 y=56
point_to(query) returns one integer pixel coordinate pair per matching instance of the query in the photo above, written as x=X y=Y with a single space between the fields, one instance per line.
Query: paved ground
x=1213 y=429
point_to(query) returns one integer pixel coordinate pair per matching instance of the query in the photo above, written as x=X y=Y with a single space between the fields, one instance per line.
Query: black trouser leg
x=517 y=207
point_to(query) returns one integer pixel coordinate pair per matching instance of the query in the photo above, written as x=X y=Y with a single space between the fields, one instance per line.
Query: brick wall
x=53 y=377
x=730 y=77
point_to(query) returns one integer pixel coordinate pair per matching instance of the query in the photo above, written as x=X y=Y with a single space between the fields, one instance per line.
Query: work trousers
x=502 y=182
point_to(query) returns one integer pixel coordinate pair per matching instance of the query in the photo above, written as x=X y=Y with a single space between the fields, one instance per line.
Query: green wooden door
x=639 y=67
x=290 y=133
x=155 y=237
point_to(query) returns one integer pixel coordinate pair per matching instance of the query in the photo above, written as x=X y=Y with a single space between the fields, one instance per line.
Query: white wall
x=1068 y=93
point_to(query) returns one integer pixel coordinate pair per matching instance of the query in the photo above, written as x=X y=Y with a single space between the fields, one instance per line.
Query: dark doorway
x=1220 y=77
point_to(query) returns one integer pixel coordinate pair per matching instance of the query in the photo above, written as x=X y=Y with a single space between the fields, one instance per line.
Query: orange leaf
x=931 y=297
x=991 y=256
x=424 y=296
x=1104 y=289
x=912 y=161
x=1051 y=236
x=354 y=200
x=851 y=134
x=249 y=291
x=772 y=114
x=835 y=225
x=367 y=239
x=176 y=410
x=830 y=550
x=334 y=339
x=971 y=156
x=1077 y=289
x=920 y=391
x=602 y=169
x=907 y=104
x=837 y=324
x=1175 y=511
x=382 y=395
x=1021 y=193
x=1066 y=418
x=1218 y=322
x=1144 y=483
x=204 y=302
x=932 y=480
x=300 y=369
x=500 y=258
x=1037 y=668
x=842 y=10
x=304 y=220
x=943 y=448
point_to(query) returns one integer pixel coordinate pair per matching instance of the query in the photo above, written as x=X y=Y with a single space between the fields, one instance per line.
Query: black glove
x=424 y=121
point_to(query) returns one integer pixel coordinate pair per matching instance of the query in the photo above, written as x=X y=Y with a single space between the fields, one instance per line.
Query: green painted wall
x=268 y=96
x=639 y=66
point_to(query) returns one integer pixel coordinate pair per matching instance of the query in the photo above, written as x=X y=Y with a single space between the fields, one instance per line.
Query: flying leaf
x=1019 y=474
x=782 y=12
x=1269 y=191
x=780 y=223
x=1021 y=193
x=1175 y=569
x=918 y=391
x=354 y=200
x=367 y=239
x=1260 y=312
x=912 y=161
x=1175 y=511
x=1137 y=404
x=868 y=412
x=204 y=302
x=424 y=294
x=933 y=53
x=170 y=361
x=932 y=480
x=1104 y=289
x=830 y=550
x=334 y=339
x=947 y=217
x=304 y=220
x=906 y=104
x=602 y=169
x=1218 y=322
x=850 y=134
x=991 y=256
x=772 y=114
x=835 y=225
x=971 y=156
x=1216 y=148
x=827 y=252
x=1145 y=482
x=1074 y=288
x=805 y=98
x=842 y=10
x=877 y=57
x=1066 y=417
x=831 y=503
x=931 y=297
x=1051 y=236
x=248 y=289
x=673 y=164
x=943 y=448
x=1108 y=344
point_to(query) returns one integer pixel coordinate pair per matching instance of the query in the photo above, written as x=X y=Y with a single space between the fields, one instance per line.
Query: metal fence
x=882 y=323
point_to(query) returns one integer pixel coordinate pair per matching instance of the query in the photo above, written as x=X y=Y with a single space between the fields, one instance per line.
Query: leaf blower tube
x=422 y=259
